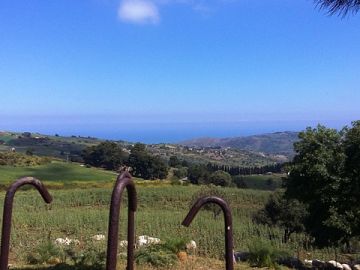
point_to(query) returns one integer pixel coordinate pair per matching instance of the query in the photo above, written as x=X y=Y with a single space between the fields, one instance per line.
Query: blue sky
x=155 y=70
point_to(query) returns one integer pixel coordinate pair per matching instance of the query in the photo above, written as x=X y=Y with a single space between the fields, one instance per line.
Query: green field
x=80 y=213
x=59 y=174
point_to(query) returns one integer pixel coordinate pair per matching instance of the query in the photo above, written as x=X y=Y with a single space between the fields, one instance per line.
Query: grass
x=80 y=213
x=56 y=171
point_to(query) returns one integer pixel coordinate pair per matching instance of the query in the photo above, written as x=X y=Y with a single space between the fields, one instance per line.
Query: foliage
x=339 y=6
x=239 y=181
x=174 y=161
x=180 y=172
x=81 y=213
x=198 y=174
x=263 y=254
x=220 y=178
x=325 y=176
x=88 y=256
x=108 y=155
x=145 y=165
x=287 y=214
x=163 y=254
x=157 y=255
x=43 y=253
x=17 y=159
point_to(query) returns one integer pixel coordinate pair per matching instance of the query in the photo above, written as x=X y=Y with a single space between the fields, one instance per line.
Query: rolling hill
x=271 y=143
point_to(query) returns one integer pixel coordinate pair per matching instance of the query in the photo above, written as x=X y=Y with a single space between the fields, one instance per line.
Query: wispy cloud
x=138 y=11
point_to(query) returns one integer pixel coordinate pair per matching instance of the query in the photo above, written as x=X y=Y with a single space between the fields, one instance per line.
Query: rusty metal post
x=8 y=205
x=123 y=181
x=229 y=245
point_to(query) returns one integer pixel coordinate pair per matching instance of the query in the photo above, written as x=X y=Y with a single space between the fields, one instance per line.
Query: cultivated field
x=81 y=213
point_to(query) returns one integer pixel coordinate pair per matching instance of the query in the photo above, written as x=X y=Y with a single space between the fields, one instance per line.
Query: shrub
x=156 y=255
x=263 y=254
x=44 y=252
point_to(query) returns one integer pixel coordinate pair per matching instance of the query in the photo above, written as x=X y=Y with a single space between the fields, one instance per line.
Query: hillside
x=271 y=143
x=70 y=148
x=67 y=148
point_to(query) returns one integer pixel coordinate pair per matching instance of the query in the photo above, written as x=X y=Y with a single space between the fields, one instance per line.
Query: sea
x=158 y=131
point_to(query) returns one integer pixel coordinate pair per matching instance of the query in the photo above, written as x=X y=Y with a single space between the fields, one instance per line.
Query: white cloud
x=138 y=11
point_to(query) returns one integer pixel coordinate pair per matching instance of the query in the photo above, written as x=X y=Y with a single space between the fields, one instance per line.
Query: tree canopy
x=145 y=165
x=325 y=176
x=108 y=155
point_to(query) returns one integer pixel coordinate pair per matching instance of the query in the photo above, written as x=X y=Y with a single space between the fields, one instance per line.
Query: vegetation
x=318 y=207
x=145 y=165
x=71 y=148
x=108 y=155
x=287 y=214
x=259 y=181
x=210 y=190
x=198 y=174
x=17 y=159
x=263 y=254
x=272 y=143
x=220 y=178
x=59 y=175
x=325 y=176
x=339 y=6
x=67 y=148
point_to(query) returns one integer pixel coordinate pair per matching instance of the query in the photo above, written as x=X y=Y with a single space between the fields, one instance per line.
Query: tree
x=108 y=155
x=174 y=161
x=220 y=178
x=239 y=181
x=339 y=6
x=145 y=165
x=325 y=176
x=287 y=214
x=198 y=174
x=180 y=172
x=347 y=209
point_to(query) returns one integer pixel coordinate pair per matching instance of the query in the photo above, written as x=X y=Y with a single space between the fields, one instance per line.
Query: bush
x=44 y=252
x=21 y=160
x=161 y=255
x=263 y=254
x=220 y=178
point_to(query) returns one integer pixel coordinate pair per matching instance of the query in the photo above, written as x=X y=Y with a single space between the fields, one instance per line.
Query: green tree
x=325 y=176
x=239 y=181
x=198 y=174
x=287 y=214
x=145 y=165
x=174 y=161
x=108 y=155
x=180 y=172
x=346 y=213
x=220 y=178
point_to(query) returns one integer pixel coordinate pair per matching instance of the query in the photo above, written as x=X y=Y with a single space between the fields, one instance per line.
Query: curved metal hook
x=228 y=224
x=8 y=205
x=123 y=181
